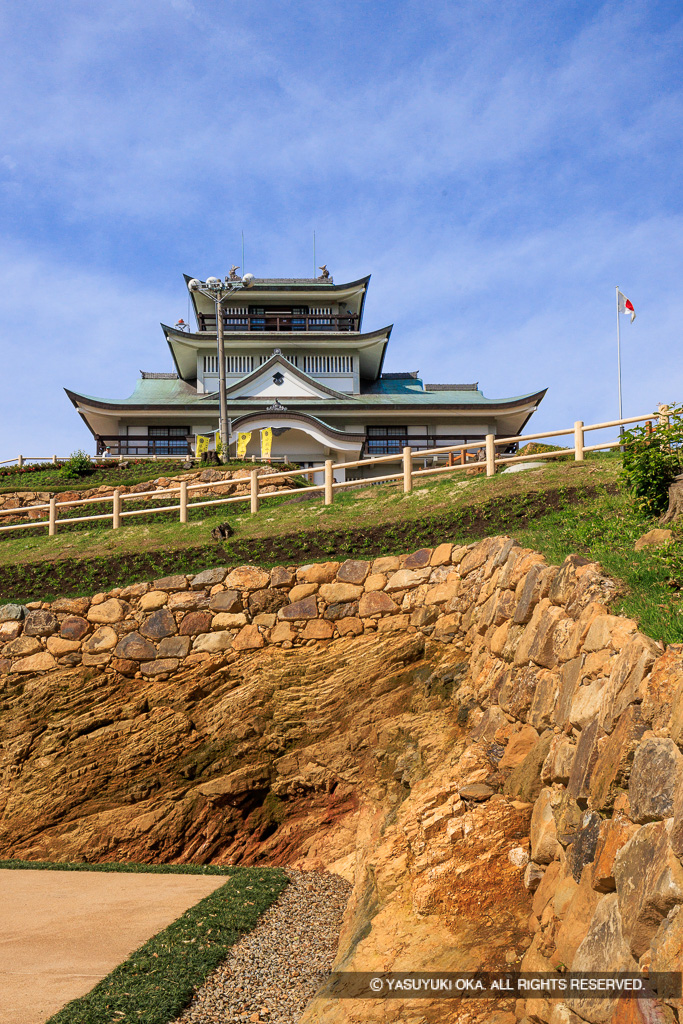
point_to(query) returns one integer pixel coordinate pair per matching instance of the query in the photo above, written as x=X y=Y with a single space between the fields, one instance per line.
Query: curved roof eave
x=487 y=405
x=209 y=336
x=300 y=284
x=305 y=416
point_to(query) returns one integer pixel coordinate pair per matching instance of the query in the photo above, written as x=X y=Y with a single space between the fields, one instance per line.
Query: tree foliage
x=77 y=465
x=652 y=459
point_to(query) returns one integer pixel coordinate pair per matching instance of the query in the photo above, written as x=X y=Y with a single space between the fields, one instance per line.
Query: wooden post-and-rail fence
x=407 y=474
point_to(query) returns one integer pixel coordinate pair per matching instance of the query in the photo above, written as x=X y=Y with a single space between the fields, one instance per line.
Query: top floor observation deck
x=286 y=305
x=279 y=319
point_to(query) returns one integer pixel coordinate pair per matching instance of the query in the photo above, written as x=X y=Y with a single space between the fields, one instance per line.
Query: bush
x=77 y=465
x=652 y=459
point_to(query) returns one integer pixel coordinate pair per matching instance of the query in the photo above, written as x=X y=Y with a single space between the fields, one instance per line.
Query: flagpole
x=621 y=416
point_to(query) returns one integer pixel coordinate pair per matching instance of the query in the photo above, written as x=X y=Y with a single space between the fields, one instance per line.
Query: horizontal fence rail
x=487 y=456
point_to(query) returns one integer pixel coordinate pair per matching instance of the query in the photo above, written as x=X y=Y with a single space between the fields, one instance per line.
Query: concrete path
x=63 y=931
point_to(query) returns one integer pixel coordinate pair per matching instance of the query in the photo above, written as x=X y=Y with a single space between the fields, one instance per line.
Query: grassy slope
x=50 y=478
x=563 y=508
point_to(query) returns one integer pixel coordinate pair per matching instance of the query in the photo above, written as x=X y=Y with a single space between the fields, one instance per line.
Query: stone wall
x=154 y=628
x=575 y=717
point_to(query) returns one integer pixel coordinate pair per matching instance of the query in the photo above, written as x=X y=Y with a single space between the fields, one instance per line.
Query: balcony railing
x=134 y=445
x=278 y=322
x=395 y=445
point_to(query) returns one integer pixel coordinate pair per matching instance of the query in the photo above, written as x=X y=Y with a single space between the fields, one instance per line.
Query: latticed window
x=168 y=440
x=239 y=364
x=387 y=440
x=328 y=364
x=233 y=364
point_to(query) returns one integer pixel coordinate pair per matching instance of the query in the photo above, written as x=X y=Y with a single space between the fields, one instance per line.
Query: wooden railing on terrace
x=134 y=445
x=279 y=322
x=407 y=474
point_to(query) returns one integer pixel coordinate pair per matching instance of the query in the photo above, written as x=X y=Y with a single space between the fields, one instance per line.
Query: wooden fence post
x=54 y=460
x=254 y=491
x=20 y=461
x=490 y=455
x=578 y=441
x=329 y=480
x=407 y=470
x=52 y=518
x=183 y=501
x=663 y=411
x=116 y=509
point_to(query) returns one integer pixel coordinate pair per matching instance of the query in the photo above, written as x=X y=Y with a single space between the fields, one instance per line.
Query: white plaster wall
x=459 y=427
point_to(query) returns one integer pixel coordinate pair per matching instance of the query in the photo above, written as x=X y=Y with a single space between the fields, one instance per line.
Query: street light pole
x=219 y=290
x=222 y=397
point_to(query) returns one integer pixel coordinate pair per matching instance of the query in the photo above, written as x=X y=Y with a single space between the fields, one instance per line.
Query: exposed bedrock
x=494 y=762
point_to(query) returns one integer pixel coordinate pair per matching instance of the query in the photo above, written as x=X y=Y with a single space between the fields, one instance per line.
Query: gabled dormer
x=279 y=379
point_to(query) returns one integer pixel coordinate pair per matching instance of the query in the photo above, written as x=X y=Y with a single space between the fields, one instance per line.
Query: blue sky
x=498 y=168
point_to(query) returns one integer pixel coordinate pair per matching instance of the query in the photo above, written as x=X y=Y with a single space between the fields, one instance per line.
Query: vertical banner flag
x=219 y=443
x=202 y=446
x=242 y=442
x=266 y=442
x=625 y=305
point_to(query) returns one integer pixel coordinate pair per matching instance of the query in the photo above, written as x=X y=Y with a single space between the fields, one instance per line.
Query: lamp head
x=214 y=283
x=248 y=280
x=194 y=285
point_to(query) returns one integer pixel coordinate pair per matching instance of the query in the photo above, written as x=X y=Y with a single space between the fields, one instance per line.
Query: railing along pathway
x=407 y=473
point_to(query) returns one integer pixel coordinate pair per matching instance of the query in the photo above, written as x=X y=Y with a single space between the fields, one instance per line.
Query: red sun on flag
x=625 y=305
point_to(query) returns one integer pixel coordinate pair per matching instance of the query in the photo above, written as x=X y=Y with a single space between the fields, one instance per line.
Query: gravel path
x=272 y=973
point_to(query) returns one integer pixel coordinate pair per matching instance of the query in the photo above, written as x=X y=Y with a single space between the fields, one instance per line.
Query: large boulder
x=525 y=782
x=544 y=844
x=613 y=834
x=133 y=647
x=613 y=763
x=603 y=949
x=41 y=623
x=649 y=880
x=268 y=600
x=656 y=773
x=159 y=624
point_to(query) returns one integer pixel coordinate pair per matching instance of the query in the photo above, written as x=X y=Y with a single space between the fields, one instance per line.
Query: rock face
x=469 y=735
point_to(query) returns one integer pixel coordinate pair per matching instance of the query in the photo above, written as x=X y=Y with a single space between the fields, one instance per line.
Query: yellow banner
x=219 y=444
x=242 y=442
x=266 y=442
x=202 y=446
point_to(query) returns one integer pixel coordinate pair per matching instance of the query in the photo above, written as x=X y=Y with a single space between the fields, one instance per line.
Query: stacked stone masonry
x=575 y=714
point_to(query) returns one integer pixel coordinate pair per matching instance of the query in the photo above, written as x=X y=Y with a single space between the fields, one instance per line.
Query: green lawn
x=158 y=980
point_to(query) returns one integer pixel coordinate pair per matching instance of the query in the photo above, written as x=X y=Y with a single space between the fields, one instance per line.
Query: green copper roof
x=172 y=391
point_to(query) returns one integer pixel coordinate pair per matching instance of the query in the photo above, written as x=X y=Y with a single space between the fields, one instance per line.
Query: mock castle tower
x=297 y=360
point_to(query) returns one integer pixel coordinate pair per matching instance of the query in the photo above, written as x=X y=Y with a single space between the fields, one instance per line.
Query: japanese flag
x=625 y=305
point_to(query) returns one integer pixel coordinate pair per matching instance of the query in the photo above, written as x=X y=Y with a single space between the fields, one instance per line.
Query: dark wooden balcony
x=278 y=322
x=133 y=445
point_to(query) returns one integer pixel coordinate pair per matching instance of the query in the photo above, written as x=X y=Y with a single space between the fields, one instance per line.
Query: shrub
x=651 y=460
x=77 y=465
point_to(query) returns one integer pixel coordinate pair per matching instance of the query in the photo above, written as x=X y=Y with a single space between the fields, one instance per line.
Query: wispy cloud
x=498 y=168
